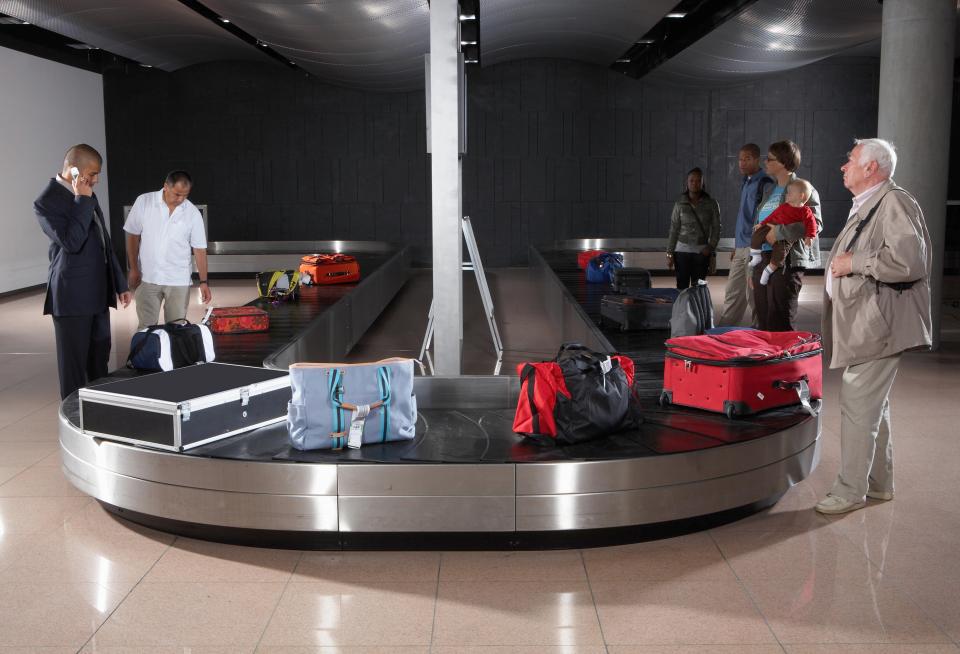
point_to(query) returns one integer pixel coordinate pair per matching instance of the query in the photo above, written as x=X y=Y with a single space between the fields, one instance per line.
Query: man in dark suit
x=85 y=278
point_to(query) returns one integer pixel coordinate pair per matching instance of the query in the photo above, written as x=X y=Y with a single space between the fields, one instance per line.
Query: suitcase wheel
x=665 y=398
x=733 y=409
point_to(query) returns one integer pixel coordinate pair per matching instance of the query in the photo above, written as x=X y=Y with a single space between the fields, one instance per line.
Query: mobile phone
x=75 y=172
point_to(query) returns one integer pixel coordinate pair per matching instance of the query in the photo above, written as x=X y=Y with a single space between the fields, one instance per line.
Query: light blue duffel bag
x=349 y=405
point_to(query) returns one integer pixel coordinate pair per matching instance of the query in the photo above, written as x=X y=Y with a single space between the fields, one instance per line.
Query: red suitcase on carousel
x=329 y=269
x=237 y=320
x=744 y=372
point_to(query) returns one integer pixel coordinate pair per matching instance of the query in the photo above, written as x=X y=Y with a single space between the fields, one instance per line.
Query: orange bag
x=329 y=269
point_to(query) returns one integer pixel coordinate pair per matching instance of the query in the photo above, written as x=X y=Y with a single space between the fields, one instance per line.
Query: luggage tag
x=355 y=439
x=605 y=366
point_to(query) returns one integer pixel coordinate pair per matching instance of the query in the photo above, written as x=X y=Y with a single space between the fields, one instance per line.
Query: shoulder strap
x=143 y=343
x=760 y=186
x=863 y=223
x=706 y=234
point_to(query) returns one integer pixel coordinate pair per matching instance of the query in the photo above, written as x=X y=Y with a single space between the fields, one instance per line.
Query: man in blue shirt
x=737 y=296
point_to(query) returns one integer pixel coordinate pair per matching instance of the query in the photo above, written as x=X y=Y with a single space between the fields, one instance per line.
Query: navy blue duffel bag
x=169 y=346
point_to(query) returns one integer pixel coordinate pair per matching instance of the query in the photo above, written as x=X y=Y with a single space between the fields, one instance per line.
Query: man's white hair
x=880 y=151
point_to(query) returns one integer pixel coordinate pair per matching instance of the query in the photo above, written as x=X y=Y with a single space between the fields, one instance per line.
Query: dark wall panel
x=557 y=149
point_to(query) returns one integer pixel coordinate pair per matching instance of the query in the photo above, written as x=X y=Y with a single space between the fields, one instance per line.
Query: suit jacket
x=865 y=321
x=84 y=278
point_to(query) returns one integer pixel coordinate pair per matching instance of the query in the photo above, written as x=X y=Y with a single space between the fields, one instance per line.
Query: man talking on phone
x=85 y=278
x=163 y=229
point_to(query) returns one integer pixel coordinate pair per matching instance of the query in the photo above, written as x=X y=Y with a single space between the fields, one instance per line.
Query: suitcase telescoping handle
x=803 y=392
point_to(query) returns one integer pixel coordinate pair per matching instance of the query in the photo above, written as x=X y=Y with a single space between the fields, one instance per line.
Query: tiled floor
x=881 y=580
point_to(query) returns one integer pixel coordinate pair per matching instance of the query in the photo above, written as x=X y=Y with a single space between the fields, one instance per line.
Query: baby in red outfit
x=793 y=210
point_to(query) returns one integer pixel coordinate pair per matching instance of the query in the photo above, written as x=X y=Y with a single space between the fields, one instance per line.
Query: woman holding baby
x=788 y=240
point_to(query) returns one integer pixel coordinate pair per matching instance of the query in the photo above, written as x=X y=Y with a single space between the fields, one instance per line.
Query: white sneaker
x=833 y=505
x=880 y=495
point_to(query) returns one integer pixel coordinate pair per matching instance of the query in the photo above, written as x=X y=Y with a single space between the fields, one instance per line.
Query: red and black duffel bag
x=743 y=372
x=579 y=396
x=237 y=320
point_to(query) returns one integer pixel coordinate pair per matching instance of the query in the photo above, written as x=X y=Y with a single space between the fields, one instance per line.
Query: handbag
x=601 y=268
x=579 y=396
x=336 y=405
x=169 y=346
x=276 y=285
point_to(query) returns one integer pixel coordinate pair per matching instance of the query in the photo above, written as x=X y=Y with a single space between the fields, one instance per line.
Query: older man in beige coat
x=876 y=306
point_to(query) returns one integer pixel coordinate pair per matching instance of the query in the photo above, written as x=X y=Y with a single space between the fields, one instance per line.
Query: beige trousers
x=738 y=298
x=175 y=300
x=866 y=444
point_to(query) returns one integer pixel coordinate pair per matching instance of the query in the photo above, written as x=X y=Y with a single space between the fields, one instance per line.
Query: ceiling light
x=468 y=17
x=82 y=46
x=223 y=20
x=623 y=61
x=676 y=14
x=646 y=42
x=261 y=44
x=146 y=66
x=471 y=61
x=468 y=42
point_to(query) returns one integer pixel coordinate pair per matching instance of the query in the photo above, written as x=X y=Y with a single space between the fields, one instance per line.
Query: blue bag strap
x=383 y=383
x=335 y=390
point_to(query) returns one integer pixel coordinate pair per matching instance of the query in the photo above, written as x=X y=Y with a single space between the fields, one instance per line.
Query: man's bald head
x=80 y=156
x=86 y=160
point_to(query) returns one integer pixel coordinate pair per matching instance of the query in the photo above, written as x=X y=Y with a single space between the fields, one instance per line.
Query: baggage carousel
x=466 y=480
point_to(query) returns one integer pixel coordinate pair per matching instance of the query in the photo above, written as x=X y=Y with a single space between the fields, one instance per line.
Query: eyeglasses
x=771 y=158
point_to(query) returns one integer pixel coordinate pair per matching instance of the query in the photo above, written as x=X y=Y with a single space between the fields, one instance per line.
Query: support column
x=446 y=187
x=916 y=92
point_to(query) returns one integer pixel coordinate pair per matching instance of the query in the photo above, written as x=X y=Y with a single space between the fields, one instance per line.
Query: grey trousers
x=738 y=298
x=866 y=444
x=175 y=300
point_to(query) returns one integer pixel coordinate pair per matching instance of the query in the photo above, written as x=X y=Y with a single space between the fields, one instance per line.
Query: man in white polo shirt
x=163 y=229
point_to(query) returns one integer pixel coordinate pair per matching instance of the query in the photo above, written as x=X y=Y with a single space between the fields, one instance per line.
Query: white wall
x=45 y=107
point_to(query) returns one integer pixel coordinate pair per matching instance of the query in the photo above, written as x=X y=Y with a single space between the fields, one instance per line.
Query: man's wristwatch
x=202 y=281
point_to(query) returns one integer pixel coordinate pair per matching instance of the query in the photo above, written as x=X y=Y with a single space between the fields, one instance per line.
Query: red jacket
x=786 y=214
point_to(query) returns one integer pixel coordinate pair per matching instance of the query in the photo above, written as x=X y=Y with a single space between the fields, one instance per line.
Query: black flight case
x=187 y=407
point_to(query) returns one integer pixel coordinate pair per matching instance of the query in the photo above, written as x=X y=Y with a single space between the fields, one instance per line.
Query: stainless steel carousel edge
x=434 y=497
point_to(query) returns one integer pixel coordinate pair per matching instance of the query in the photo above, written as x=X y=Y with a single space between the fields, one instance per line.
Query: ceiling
x=597 y=31
x=379 y=44
x=776 y=35
x=161 y=33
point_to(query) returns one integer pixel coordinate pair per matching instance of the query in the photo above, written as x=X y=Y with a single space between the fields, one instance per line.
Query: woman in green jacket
x=694 y=232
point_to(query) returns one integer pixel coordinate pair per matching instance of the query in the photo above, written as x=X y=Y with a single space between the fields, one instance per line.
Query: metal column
x=446 y=185
x=916 y=85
